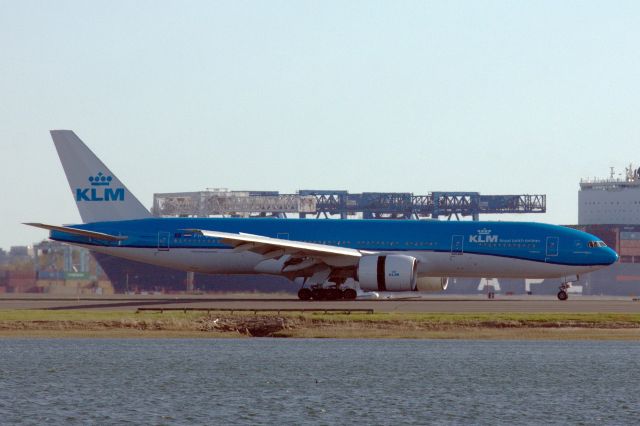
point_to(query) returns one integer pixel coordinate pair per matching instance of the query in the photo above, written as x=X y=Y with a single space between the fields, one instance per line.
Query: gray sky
x=500 y=97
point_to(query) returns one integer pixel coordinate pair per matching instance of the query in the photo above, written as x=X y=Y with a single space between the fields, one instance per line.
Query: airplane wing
x=294 y=258
x=262 y=244
x=76 y=231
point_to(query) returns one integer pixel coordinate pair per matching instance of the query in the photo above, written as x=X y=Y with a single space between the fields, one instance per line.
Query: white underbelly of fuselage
x=488 y=266
x=207 y=261
x=437 y=264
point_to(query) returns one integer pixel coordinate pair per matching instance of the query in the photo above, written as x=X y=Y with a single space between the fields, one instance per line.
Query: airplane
x=333 y=258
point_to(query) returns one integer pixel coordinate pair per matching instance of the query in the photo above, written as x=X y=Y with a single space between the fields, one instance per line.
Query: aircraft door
x=552 y=246
x=163 y=241
x=457 y=243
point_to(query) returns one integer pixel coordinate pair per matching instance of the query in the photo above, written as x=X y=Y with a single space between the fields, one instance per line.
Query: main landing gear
x=330 y=293
x=562 y=294
x=320 y=286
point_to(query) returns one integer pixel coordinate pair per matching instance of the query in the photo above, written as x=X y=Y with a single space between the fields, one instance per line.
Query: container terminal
x=608 y=208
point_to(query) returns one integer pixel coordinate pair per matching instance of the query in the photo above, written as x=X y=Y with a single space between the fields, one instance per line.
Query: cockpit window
x=597 y=244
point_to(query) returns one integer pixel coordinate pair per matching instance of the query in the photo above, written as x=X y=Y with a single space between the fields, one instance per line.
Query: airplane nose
x=612 y=256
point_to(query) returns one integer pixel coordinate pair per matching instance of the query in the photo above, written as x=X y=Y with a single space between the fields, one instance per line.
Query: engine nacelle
x=388 y=273
x=432 y=284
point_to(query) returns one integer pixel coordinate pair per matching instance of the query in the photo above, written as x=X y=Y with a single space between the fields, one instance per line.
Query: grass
x=91 y=315
x=107 y=323
x=466 y=317
x=422 y=317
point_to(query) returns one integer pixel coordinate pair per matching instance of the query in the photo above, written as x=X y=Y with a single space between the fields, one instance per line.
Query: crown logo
x=100 y=180
x=484 y=231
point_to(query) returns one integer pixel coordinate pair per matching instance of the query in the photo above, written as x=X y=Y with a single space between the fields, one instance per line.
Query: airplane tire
x=349 y=294
x=304 y=294
x=317 y=294
x=562 y=295
x=334 y=294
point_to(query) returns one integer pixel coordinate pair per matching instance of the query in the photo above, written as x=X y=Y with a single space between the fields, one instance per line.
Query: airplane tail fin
x=99 y=194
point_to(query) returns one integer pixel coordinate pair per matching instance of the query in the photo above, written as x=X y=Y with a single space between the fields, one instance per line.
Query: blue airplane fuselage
x=495 y=249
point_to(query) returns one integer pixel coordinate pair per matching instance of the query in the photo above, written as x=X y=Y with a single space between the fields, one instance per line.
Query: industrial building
x=341 y=204
x=610 y=209
x=615 y=199
x=55 y=268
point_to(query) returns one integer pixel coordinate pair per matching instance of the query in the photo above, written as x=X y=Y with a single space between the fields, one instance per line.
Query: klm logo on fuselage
x=483 y=236
x=100 y=190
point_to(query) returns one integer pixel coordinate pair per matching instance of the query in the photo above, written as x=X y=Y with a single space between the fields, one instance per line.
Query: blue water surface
x=324 y=381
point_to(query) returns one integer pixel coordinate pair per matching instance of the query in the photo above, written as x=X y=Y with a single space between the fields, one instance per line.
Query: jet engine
x=432 y=284
x=387 y=273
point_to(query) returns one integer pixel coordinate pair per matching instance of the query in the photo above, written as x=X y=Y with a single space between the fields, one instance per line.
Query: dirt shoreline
x=516 y=326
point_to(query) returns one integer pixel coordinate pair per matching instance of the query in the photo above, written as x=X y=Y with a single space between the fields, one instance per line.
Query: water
x=286 y=381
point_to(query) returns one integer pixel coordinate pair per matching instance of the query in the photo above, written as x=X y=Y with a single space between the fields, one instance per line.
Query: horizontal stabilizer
x=76 y=231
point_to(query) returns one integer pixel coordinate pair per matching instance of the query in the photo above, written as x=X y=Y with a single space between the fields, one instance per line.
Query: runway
x=452 y=304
